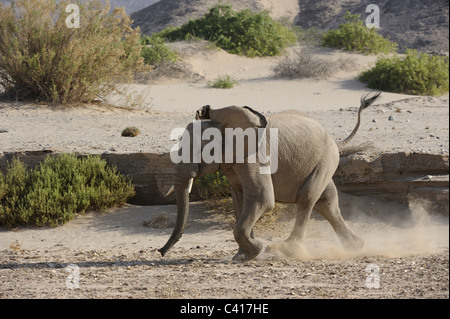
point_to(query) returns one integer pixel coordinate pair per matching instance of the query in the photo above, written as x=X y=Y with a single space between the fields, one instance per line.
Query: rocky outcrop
x=397 y=176
x=151 y=174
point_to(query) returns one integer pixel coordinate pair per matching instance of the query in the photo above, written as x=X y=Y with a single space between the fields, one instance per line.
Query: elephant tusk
x=191 y=183
x=171 y=190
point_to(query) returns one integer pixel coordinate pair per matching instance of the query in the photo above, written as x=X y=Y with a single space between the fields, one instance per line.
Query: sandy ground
x=114 y=255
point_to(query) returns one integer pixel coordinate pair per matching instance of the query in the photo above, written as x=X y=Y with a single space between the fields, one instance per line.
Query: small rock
x=391 y=118
x=374 y=120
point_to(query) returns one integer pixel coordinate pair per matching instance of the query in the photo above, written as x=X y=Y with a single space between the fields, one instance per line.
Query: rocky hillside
x=420 y=24
x=177 y=12
x=132 y=5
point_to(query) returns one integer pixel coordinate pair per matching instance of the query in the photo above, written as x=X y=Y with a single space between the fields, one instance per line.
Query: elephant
x=307 y=159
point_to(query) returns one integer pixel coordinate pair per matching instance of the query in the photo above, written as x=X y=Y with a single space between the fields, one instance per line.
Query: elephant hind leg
x=301 y=221
x=308 y=195
x=328 y=207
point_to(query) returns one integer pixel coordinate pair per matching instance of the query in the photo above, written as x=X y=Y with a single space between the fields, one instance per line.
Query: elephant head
x=233 y=117
x=190 y=163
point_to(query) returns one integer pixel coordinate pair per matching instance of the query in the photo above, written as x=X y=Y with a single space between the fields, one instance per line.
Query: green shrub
x=238 y=32
x=214 y=186
x=43 y=59
x=354 y=36
x=223 y=82
x=155 y=51
x=59 y=188
x=415 y=73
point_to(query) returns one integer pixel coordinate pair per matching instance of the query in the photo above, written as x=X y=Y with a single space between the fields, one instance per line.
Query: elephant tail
x=366 y=101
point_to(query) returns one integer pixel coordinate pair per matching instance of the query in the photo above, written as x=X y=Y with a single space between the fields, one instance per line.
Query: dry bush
x=347 y=64
x=169 y=70
x=43 y=59
x=304 y=64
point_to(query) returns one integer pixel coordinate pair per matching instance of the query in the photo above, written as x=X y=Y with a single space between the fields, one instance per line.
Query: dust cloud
x=388 y=230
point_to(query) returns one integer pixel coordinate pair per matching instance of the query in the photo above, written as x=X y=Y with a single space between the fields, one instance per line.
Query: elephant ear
x=262 y=118
x=233 y=117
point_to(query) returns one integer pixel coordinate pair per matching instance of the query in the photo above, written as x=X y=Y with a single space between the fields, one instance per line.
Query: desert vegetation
x=155 y=51
x=303 y=64
x=239 y=32
x=43 y=59
x=412 y=73
x=223 y=82
x=354 y=36
x=214 y=186
x=59 y=188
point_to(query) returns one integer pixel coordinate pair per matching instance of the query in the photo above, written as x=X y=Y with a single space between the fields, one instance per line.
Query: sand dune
x=282 y=8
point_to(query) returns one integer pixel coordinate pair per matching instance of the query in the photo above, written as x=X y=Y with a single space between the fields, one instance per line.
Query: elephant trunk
x=182 y=196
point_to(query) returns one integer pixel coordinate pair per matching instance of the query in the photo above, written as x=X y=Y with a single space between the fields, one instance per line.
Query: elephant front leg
x=253 y=197
x=238 y=202
x=249 y=248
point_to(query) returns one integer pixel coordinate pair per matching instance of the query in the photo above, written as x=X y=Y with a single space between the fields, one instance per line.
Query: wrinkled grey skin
x=307 y=159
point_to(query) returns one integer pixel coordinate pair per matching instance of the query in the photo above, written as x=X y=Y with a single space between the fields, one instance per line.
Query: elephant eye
x=203 y=113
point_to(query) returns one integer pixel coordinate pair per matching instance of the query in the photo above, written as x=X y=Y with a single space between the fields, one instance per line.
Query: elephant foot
x=249 y=254
x=290 y=249
x=354 y=244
